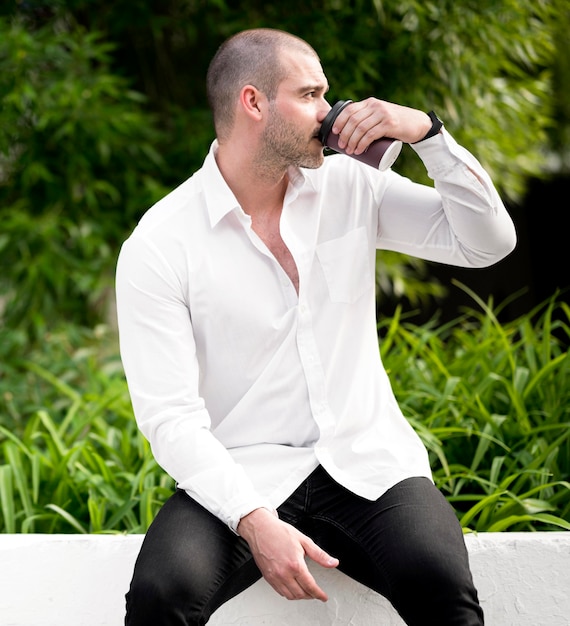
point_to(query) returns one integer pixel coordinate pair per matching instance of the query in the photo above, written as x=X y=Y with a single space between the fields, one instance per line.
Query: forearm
x=202 y=466
x=159 y=357
x=462 y=221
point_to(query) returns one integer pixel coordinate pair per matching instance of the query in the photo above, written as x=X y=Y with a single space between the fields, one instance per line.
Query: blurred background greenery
x=103 y=111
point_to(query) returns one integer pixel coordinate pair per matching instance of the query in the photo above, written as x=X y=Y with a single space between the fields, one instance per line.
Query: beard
x=284 y=145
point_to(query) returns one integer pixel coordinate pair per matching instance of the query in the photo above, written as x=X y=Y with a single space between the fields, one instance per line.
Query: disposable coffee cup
x=380 y=154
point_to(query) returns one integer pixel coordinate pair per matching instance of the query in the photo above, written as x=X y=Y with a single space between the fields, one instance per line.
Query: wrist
x=253 y=519
x=436 y=126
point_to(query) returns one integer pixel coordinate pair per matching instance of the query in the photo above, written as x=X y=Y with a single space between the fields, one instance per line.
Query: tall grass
x=71 y=457
x=491 y=402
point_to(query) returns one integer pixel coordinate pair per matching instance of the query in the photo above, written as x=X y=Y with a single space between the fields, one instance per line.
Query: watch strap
x=436 y=126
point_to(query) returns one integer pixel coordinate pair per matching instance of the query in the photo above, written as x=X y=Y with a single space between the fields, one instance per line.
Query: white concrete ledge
x=80 y=580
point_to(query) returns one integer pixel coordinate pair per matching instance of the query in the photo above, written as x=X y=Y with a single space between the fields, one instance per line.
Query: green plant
x=490 y=401
x=492 y=404
x=82 y=156
x=72 y=459
x=77 y=168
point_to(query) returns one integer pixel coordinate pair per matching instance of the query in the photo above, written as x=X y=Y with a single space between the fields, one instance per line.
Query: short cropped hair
x=251 y=57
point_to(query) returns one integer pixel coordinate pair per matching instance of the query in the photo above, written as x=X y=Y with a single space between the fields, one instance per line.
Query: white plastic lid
x=390 y=155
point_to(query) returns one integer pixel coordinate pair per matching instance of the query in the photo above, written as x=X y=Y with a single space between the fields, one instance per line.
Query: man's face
x=295 y=116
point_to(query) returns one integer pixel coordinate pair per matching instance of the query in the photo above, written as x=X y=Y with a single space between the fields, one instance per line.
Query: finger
x=317 y=554
x=301 y=587
x=300 y=584
x=348 y=125
x=361 y=128
x=310 y=588
x=295 y=590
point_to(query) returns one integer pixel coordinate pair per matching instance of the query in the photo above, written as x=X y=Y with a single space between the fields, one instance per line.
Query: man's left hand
x=361 y=123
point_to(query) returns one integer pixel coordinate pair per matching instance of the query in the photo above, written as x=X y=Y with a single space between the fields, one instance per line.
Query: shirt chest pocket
x=346 y=265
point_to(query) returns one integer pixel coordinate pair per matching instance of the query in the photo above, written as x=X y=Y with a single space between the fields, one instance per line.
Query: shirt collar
x=220 y=200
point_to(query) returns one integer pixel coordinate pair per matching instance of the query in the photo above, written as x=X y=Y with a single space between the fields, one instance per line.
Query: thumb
x=318 y=555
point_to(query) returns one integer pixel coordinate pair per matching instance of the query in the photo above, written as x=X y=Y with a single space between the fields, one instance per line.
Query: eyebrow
x=315 y=87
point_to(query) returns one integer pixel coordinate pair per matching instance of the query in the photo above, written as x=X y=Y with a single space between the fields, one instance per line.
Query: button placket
x=314 y=375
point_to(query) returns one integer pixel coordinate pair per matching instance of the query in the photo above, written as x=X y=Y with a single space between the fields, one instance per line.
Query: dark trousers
x=407 y=546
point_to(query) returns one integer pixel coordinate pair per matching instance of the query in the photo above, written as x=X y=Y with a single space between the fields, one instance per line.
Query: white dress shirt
x=242 y=386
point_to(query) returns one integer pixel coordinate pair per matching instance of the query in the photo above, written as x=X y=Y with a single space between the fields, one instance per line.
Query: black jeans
x=407 y=546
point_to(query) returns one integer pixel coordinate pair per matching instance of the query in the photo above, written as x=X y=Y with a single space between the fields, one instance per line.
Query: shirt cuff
x=233 y=514
x=441 y=154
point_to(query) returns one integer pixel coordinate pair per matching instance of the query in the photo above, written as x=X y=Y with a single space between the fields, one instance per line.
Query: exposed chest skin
x=267 y=228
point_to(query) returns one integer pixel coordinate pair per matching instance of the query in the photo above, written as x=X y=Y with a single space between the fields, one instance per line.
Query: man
x=246 y=303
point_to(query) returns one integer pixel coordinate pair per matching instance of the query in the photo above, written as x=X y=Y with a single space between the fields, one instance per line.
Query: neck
x=259 y=188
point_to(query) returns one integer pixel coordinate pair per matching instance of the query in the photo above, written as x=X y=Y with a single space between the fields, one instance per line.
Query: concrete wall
x=80 y=580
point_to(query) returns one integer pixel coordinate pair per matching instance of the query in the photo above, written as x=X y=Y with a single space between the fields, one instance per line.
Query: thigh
x=408 y=545
x=189 y=564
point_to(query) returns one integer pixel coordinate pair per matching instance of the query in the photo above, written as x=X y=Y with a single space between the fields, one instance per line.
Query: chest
x=268 y=230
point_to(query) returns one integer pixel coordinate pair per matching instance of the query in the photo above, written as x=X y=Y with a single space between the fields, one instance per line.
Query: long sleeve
x=462 y=221
x=159 y=357
x=243 y=386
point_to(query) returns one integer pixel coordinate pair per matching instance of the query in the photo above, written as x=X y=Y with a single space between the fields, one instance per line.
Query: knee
x=153 y=600
x=442 y=585
x=146 y=601
x=434 y=565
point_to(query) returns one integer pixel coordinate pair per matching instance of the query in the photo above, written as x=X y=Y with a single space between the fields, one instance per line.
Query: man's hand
x=279 y=551
x=361 y=123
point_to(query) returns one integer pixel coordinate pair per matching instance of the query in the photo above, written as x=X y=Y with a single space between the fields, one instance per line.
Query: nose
x=323 y=111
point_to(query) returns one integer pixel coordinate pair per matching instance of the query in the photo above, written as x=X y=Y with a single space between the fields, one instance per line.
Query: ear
x=252 y=102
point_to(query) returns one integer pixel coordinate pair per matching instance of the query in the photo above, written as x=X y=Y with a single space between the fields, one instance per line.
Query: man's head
x=251 y=57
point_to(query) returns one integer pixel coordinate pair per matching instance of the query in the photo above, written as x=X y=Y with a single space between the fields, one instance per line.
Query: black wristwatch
x=436 y=125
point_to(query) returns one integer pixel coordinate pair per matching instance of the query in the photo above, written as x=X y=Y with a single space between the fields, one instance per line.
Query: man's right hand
x=279 y=551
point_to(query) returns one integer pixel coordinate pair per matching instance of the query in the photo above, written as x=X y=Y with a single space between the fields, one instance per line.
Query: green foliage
x=487 y=68
x=102 y=111
x=77 y=164
x=560 y=132
x=490 y=402
x=485 y=65
x=404 y=279
x=71 y=456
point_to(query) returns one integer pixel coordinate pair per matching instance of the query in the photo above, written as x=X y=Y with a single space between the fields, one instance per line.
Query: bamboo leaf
x=59 y=384
x=53 y=432
x=482 y=504
x=70 y=519
x=14 y=457
x=544 y=518
x=7 y=499
x=544 y=372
